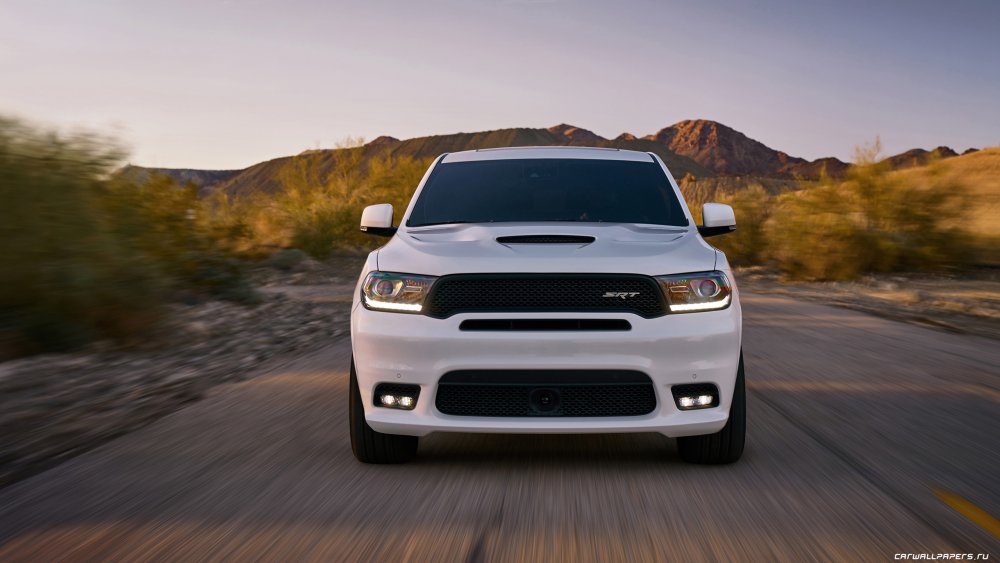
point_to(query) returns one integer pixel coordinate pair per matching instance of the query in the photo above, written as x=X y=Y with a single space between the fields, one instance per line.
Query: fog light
x=396 y=396
x=695 y=396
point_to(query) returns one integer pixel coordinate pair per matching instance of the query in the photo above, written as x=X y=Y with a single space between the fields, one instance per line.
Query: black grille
x=555 y=393
x=545 y=239
x=586 y=293
x=544 y=324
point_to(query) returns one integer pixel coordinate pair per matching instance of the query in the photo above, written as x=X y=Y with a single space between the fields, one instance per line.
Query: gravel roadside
x=56 y=406
x=967 y=303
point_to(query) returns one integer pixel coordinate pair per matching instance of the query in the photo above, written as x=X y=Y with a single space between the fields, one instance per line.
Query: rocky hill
x=724 y=149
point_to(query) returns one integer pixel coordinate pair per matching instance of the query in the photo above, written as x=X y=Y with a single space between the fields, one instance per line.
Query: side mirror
x=716 y=219
x=377 y=220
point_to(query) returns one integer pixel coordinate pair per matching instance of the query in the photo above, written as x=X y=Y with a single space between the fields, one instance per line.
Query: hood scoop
x=545 y=239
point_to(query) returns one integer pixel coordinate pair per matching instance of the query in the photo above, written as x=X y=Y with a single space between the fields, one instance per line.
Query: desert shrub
x=87 y=255
x=322 y=229
x=318 y=211
x=66 y=277
x=227 y=222
x=219 y=275
x=388 y=180
x=169 y=226
x=699 y=191
x=311 y=207
x=748 y=245
x=285 y=259
x=815 y=234
x=873 y=221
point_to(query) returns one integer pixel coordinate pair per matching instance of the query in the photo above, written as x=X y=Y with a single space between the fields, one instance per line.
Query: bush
x=169 y=226
x=873 y=221
x=285 y=259
x=218 y=275
x=319 y=207
x=322 y=228
x=67 y=277
x=815 y=235
x=86 y=255
x=748 y=245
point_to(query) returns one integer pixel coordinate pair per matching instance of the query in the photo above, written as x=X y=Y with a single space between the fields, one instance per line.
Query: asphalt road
x=867 y=438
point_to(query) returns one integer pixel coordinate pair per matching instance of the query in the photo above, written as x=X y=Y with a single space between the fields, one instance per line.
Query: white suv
x=547 y=290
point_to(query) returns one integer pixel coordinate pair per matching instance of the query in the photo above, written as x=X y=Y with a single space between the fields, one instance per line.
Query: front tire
x=726 y=445
x=368 y=445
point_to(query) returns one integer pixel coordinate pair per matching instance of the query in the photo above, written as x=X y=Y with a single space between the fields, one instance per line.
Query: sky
x=228 y=83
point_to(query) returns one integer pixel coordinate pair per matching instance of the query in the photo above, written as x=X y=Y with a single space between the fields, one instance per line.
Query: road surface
x=867 y=438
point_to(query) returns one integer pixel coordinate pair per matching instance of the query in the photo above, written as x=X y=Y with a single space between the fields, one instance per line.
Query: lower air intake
x=552 y=393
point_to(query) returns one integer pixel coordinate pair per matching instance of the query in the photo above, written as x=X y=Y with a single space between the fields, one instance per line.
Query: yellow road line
x=980 y=517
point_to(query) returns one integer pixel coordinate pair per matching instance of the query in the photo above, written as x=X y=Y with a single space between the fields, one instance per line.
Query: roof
x=592 y=153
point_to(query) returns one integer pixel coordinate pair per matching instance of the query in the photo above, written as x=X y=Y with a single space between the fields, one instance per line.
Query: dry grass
x=979 y=174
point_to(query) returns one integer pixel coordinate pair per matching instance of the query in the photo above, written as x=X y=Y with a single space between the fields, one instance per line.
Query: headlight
x=705 y=291
x=389 y=291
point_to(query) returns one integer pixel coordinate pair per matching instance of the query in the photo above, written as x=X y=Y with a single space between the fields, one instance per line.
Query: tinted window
x=563 y=189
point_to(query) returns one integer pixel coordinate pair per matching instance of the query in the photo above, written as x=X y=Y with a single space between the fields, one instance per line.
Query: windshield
x=551 y=189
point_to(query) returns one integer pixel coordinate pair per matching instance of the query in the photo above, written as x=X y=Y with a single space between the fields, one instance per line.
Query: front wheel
x=726 y=445
x=370 y=446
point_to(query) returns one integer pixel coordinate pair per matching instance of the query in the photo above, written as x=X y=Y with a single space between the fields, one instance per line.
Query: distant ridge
x=919 y=157
x=383 y=140
x=698 y=147
x=830 y=166
x=181 y=175
x=575 y=135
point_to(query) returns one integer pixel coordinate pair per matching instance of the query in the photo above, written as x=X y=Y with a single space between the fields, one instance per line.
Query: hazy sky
x=225 y=84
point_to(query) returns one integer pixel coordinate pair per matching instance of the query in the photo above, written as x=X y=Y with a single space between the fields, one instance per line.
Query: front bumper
x=671 y=350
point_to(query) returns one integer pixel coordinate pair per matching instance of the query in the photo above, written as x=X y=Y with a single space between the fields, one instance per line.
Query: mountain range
x=697 y=147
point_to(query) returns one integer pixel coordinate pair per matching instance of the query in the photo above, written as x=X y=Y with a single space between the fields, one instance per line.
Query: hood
x=546 y=248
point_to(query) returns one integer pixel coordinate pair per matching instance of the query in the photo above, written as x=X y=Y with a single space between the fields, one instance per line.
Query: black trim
x=544 y=377
x=545 y=239
x=386 y=232
x=653 y=160
x=706 y=232
x=545 y=325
